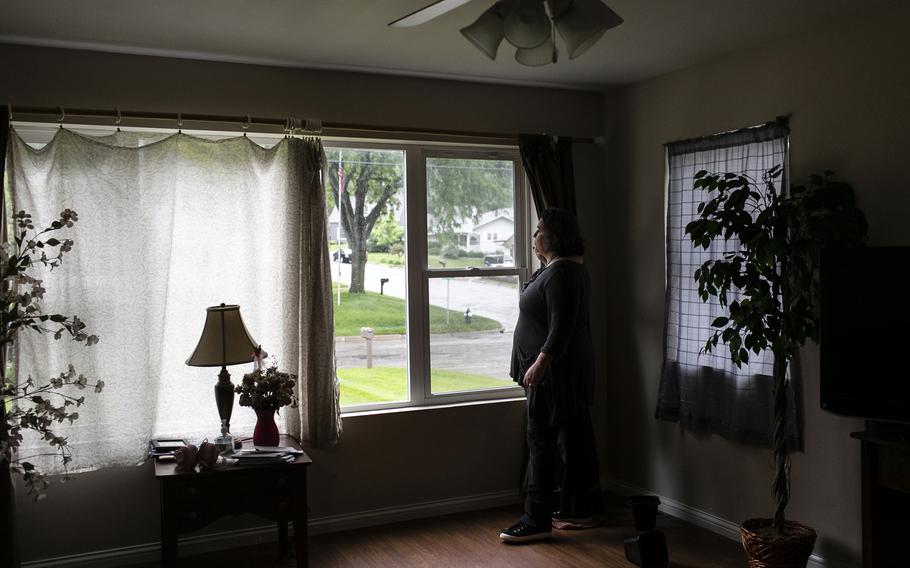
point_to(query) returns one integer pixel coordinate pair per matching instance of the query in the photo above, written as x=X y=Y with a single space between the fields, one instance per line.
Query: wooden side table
x=192 y=500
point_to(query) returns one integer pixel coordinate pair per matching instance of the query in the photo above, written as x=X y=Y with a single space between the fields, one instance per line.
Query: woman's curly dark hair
x=561 y=234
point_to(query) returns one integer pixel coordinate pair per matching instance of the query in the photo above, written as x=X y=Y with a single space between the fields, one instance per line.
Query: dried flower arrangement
x=267 y=390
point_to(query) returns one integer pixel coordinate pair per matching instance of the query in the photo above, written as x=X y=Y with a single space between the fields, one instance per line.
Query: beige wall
x=384 y=460
x=846 y=87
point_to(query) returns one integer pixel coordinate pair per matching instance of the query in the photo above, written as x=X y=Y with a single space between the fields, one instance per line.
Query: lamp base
x=224 y=396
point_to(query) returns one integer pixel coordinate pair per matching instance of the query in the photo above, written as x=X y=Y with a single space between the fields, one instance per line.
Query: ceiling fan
x=529 y=25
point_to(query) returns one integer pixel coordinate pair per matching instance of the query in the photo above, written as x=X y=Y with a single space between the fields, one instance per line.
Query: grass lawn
x=386 y=315
x=389 y=384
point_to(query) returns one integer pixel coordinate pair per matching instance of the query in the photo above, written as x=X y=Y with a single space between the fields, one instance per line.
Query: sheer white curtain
x=166 y=228
x=706 y=391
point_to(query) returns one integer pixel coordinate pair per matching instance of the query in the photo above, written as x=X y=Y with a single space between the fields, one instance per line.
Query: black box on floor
x=648 y=550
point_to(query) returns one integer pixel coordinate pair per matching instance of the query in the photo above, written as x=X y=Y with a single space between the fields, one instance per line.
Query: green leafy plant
x=267 y=390
x=387 y=233
x=773 y=265
x=31 y=405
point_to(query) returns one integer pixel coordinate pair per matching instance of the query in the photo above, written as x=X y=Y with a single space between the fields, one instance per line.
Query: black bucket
x=644 y=510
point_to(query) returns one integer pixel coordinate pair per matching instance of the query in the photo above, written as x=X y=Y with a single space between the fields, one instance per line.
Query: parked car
x=497 y=260
x=345 y=256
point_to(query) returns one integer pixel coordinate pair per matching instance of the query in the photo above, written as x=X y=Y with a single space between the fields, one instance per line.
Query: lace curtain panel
x=169 y=225
x=705 y=391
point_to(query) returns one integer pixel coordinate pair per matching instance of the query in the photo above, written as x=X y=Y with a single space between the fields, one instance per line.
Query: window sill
x=418 y=408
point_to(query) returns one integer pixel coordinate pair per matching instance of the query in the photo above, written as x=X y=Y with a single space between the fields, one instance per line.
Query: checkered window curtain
x=706 y=391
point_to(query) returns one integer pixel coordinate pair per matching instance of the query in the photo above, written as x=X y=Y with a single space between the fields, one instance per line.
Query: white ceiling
x=658 y=36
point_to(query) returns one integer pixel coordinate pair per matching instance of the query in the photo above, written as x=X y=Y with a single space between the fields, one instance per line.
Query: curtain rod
x=289 y=124
x=780 y=121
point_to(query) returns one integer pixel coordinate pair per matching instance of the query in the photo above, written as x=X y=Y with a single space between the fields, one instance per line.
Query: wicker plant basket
x=766 y=549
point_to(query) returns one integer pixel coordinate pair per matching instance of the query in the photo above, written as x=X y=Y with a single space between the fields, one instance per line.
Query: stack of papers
x=257 y=456
x=282 y=449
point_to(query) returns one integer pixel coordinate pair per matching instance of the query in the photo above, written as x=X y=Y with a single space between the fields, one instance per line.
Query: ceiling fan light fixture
x=582 y=23
x=526 y=24
x=543 y=54
x=486 y=32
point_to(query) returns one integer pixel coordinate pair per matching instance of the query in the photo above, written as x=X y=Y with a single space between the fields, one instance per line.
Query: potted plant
x=267 y=391
x=30 y=404
x=773 y=265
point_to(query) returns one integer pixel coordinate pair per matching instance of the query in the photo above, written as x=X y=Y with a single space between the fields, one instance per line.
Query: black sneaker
x=521 y=532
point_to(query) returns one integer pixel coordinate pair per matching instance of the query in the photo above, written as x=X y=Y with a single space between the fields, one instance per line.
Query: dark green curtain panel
x=547 y=161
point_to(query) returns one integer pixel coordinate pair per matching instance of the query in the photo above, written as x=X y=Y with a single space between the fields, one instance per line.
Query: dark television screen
x=865 y=332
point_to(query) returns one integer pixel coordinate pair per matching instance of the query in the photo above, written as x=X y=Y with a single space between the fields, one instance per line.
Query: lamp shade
x=543 y=54
x=225 y=339
x=582 y=23
x=486 y=32
x=526 y=24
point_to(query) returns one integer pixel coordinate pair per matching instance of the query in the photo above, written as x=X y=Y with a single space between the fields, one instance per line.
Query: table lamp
x=225 y=341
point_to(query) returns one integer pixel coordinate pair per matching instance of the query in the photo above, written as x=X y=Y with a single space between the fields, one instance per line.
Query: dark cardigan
x=554 y=318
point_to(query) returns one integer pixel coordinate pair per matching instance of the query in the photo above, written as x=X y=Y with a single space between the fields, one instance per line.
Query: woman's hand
x=536 y=371
x=533 y=375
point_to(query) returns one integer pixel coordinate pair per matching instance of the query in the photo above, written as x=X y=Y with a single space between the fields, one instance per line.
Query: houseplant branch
x=29 y=406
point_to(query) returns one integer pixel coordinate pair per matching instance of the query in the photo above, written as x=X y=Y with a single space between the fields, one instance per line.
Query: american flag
x=340 y=178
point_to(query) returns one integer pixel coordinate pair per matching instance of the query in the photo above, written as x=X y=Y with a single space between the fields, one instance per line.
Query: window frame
x=418 y=274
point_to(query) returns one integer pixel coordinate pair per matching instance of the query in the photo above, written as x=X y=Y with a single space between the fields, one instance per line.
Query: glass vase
x=266 y=431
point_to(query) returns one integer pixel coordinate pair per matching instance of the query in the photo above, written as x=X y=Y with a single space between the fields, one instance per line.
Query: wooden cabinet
x=885 y=493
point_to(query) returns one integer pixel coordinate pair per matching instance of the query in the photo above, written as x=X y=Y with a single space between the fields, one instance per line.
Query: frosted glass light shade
x=583 y=23
x=526 y=24
x=543 y=54
x=225 y=339
x=486 y=32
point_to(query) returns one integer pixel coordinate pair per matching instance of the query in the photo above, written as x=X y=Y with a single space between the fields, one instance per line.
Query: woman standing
x=552 y=357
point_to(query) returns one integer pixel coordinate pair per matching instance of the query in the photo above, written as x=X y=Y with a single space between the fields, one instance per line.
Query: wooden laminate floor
x=471 y=539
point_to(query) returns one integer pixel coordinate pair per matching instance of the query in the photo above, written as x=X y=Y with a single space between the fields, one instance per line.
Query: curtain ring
x=246 y=124
x=119 y=117
x=62 y=116
x=179 y=122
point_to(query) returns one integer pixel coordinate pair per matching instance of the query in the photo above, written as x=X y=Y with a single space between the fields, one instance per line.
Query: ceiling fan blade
x=427 y=13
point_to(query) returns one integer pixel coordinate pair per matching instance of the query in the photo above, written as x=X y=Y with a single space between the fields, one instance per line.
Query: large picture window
x=421 y=248
x=428 y=248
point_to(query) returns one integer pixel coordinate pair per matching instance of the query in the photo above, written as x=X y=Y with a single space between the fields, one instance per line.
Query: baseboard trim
x=700 y=518
x=190 y=545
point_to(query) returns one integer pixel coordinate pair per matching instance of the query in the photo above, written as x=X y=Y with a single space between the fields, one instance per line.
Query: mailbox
x=366 y=332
